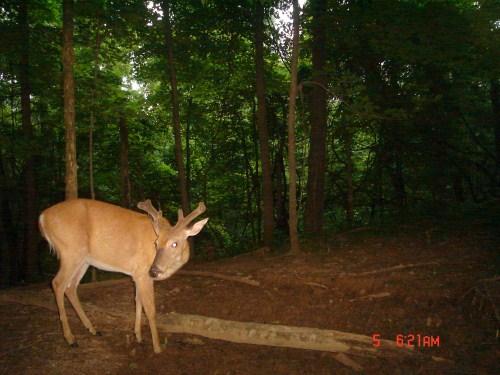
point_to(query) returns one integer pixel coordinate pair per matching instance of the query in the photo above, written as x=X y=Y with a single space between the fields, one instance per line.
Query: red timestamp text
x=411 y=340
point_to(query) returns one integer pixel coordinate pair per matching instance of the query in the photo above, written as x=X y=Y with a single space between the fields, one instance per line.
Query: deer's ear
x=195 y=229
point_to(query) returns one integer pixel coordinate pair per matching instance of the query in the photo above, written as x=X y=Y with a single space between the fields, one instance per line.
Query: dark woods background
x=398 y=116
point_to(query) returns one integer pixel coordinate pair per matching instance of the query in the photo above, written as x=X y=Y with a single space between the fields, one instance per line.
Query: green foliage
x=411 y=126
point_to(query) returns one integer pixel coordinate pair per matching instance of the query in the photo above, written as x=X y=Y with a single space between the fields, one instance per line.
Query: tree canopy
x=408 y=91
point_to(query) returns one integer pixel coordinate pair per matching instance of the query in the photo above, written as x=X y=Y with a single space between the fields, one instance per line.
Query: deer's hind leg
x=73 y=298
x=60 y=283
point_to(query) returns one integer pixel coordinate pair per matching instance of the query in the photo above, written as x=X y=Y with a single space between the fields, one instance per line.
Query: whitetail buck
x=85 y=232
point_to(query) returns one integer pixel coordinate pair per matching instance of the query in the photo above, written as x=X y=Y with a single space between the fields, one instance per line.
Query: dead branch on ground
x=372 y=296
x=238 y=279
x=480 y=298
x=317 y=285
x=389 y=269
x=348 y=362
x=496 y=278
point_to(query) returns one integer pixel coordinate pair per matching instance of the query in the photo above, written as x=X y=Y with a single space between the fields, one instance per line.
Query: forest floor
x=447 y=290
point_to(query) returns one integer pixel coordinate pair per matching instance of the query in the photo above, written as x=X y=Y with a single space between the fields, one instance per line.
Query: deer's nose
x=154 y=272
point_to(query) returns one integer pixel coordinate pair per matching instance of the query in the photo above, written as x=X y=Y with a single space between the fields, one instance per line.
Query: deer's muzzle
x=156 y=271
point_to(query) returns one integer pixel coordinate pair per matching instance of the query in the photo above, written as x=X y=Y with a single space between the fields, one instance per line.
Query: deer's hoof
x=98 y=334
x=138 y=339
x=74 y=345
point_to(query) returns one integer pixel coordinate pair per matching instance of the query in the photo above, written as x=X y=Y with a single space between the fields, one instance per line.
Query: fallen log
x=281 y=336
x=240 y=332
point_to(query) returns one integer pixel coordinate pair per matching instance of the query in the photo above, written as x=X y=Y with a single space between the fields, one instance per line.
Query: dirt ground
x=448 y=293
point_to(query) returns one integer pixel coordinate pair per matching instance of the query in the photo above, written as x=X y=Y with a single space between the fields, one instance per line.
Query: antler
x=154 y=215
x=183 y=221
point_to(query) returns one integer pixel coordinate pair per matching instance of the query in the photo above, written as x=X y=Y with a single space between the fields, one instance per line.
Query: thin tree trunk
x=30 y=250
x=93 y=93
x=281 y=217
x=292 y=164
x=379 y=201
x=398 y=178
x=495 y=104
x=188 y=148
x=255 y=176
x=91 y=154
x=349 y=170
x=248 y=185
x=165 y=5
x=458 y=189
x=280 y=184
x=8 y=233
x=68 y=59
x=124 y=165
x=93 y=272
x=315 y=204
x=12 y=96
x=265 y=155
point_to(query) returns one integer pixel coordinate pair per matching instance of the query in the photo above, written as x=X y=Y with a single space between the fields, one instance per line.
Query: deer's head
x=172 y=247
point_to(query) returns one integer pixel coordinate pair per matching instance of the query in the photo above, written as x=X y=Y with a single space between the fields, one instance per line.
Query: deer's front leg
x=146 y=295
x=138 y=315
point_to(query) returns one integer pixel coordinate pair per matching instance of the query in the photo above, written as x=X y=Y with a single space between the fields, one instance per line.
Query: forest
x=347 y=154
x=396 y=115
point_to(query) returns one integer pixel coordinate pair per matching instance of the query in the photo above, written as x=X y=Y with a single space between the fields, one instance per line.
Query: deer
x=84 y=232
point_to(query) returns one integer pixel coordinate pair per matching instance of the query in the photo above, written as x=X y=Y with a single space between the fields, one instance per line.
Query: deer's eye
x=174 y=244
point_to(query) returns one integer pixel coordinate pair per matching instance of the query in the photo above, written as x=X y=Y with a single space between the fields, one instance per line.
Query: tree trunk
x=280 y=191
x=68 y=59
x=256 y=182
x=398 y=177
x=458 y=189
x=126 y=200
x=91 y=154
x=280 y=179
x=93 y=93
x=292 y=164
x=188 y=147
x=165 y=5
x=8 y=250
x=315 y=204
x=249 y=188
x=349 y=170
x=93 y=272
x=495 y=104
x=30 y=251
x=265 y=155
